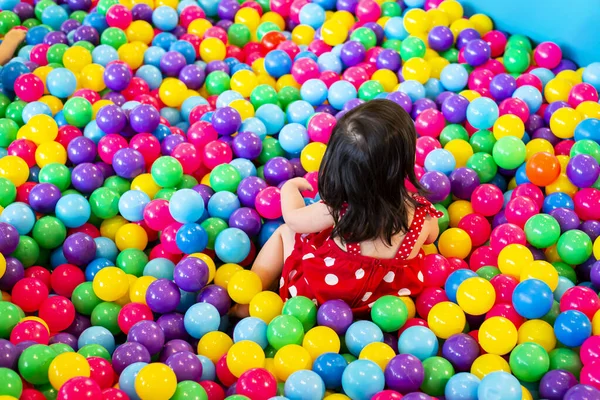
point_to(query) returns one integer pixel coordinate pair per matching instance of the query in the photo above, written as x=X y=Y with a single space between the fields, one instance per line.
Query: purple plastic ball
x=43 y=197
x=172 y=326
x=148 y=334
x=191 y=274
x=247 y=145
x=172 y=62
x=277 y=170
x=477 y=52
x=353 y=53
x=186 y=365
x=217 y=296
x=226 y=121
x=591 y=228
x=10 y=238
x=567 y=219
x=142 y=12
x=111 y=119
x=79 y=324
x=402 y=99
x=128 y=163
x=172 y=347
x=437 y=185
x=87 y=177
x=502 y=86
x=163 y=296
x=582 y=392
x=81 y=150
x=556 y=383
x=454 y=109
x=144 y=118
x=583 y=170
x=463 y=181
x=389 y=59
x=127 y=354
x=117 y=77
x=335 y=314
x=421 y=105
x=8 y=354
x=248 y=189
x=465 y=36
x=64 y=338
x=169 y=143
x=404 y=373
x=246 y=219
x=193 y=76
x=461 y=350
x=440 y=38
x=79 y=249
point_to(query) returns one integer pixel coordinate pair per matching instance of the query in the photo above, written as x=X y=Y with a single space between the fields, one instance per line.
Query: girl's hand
x=15 y=36
x=301 y=184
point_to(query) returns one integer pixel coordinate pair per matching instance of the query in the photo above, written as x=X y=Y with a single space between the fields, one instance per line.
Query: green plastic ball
x=451 y=55
x=488 y=272
x=369 y=90
x=56 y=174
x=566 y=359
x=565 y=270
x=27 y=251
x=438 y=372
x=542 y=231
x=56 y=52
x=105 y=314
x=189 y=390
x=551 y=316
x=78 y=111
x=452 y=132
x=265 y=28
x=239 y=35
x=217 y=82
x=15 y=111
x=10 y=383
x=287 y=95
x=8 y=192
x=263 y=94
x=586 y=146
x=483 y=164
x=165 y=194
x=34 y=363
x=393 y=44
x=284 y=330
x=166 y=171
x=186 y=182
x=94 y=350
x=444 y=220
x=84 y=299
x=365 y=36
x=61 y=348
x=8 y=20
x=104 y=203
x=213 y=226
x=10 y=315
x=49 y=232
x=303 y=309
x=574 y=247
x=271 y=149
x=516 y=59
x=132 y=261
x=113 y=37
x=529 y=362
x=117 y=184
x=412 y=47
x=391 y=9
x=8 y=130
x=389 y=313
x=483 y=141
x=225 y=177
x=4 y=103
x=509 y=152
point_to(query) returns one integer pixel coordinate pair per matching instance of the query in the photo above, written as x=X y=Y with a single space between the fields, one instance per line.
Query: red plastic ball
x=58 y=312
x=31 y=394
x=131 y=314
x=24 y=149
x=436 y=269
x=29 y=330
x=504 y=286
x=65 y=278
x=40 y=273
x=477 y=227
x=223 y=373
x=79 y=388
x=507 y=311
x=582 y=299
x=213 y=390
x=257 y=384
x=101 y=372
x=114 y=394
x=29 y=294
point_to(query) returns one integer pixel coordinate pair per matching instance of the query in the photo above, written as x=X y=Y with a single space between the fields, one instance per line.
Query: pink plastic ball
x=477 y=227
x=257 y=383
x=590 y=374
x=29 y=87
x=507 y=311
x=582 y=92
x=157 y=215
x=305 y=69
x=313 y=179
x=530 y=191
x=582 y=299
x=320 y=127
x=356 y=76
x=547 y=55
x=516 y=107
x=387 y=395
x=480 y=79
x=430 y=123
x=268 y=203
x=201 y=133
x=88 y=94
x=482 y=257
x=168 y=236
x=109 y=145
x=329 y=78
x=586 y=204
x=487 y=200
x=563 y=148
x=281 y=7
x=519 y=210
x=497 y=41
x=216 y=153
x=530 y=80
x=188 y=156
x=504 y=286
x=428 y=298
x=318 y=47
x=148 y=146
x=131 y=314
x=506 y=234
x=436 y=269
x=79 y=388
x=368 y=11
x=39 y=54
x=189 y=14
x=118 y=16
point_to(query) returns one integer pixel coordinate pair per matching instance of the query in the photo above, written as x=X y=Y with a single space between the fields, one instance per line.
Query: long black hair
x=362 y=176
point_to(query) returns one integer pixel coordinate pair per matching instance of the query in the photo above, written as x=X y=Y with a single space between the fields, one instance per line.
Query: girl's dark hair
x=370 y=154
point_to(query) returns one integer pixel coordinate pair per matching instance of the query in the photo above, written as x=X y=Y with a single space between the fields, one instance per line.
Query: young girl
x=364 y=239
x=9 y=44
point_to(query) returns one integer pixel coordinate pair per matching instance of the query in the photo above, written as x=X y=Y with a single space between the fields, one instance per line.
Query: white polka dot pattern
x=331 y=279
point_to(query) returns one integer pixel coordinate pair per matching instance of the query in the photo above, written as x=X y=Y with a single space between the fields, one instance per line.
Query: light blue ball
x=58 y=257
x=19 y=215
x=186 y=300
x=362 y=379
x=252 y=329
x=312 y=15
x=97 y=335
x=415 y=90
x=132 y=204
x=127 y=379
x=92 y=132
x=208 y=369
x=394 y=29
x=151 y=75
x=106 y=248
x=588 y=129
x=254 y=125
x=272 y=117
x=54 y=16
x=171 y=114
x=530 y=95
x=104 y=54
x=482 y=113
x=299 y=111
x=160 y=268
x=8 y=4
x=153 y=54
x=61 y=82
x=165 y=18
x=564 y=284
x=232 y=245
x=210 y=7
x=591 y=75
x=293 y=137
x=186 y=206
x=433 y=88
x=418 y=341
x=185 y=48
x=227 y=97
x=314 y=91
x=454 y=77
x=462 y=386
x=200 y=319
x=73 y=210
x=304 y=385
x=330 y=62
x=189 y=104
x=360 y=334
x=340 y=93
x=222 y=205
x=440 y=160
x=499 y=385
x=35 y=108
x=245 y=167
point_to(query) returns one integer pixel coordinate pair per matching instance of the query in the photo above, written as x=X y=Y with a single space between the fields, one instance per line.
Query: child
x=364 y=239
x=9 y=44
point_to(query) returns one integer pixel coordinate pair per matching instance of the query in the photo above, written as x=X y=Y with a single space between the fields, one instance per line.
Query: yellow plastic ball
x=454 y=242
x=453 y=8
x=542 y=270
x=557 y=89
x=563 y=161
x=513 y=258
x=53 y=102
x=212 y=269
x=66 y=366
x=572 y=76
x=42 y=129
x=497 y=335
x=243 y=107
x=110 y=226
x=125 y=299
x=14 y=169
x=538 y=146
x=303 y=34
x=461 y=150
x=266 y=306
x=416 y=69
x=551 y=254
x=289 y=359
x=214 y=345
x=92 y=77
x=458 y=210
x=596 y=249
x=446 y=319
x=172 y=92
x=596 y=323
x=416 y=20
x=437 y=64
x=287 y=80
x=110 y=283
x=589 y=109
x=488 y=363
x=410 y=306
x=145 y=183
x=155 y=381
x=334 y=32
x=387 y=78
x=312 y=155
x=140 y=31
x=476 y=296
x=131 y=236
x=379 y=353
x=98 y=105
x=430 y=249
x=198 y=27
x=273 y=17
x=244 y=82
x=470 y=94
x=345 y=17
x=526 y=395
x=137 y=291
x=132 y=54
x=320 y=340
x=206 y=180
x=460 y=25
x=564 y=121
x=483 y=24
x=562 y=184
x=243 y=286
x=42 y=73
x=438 y=17
x=538 y=331
x=50 y=152
x=245 y=355
x=249 y=17
x=2 y=263
x=508 y=125
x=76 y=58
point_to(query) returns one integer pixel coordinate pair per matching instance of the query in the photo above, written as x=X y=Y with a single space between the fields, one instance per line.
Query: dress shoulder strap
x=425 y=207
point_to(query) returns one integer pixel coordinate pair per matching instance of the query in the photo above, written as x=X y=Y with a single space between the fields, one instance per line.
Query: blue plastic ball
x=191 y=238
x=454 y=77
x=132 y=204
x=232 y=245
x=572 y=328
x=200 y=319
x=362 y=379
x=20 y=216
x=454 y=280
x=330 y=367
x=186 y=206
x=304 y=384
x=312 y=15
x=160 y=268
x=419 y=341
x=272 y=117
x=340 y=93
x=293 y=138
x=127 y=379
x=462 y=386
x=61 y=82
x=314 y=91
x=499 y=385
x=530 y=95
x=222 y=205
x=482 y=113
x=440 y=160
x=73 y=210
x=253 y=329
x=277 y=63
x=360 y=334
x=532 y=298
x=97 y=335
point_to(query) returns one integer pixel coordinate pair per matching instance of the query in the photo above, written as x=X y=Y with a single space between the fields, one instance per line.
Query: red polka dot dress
x=320 y=270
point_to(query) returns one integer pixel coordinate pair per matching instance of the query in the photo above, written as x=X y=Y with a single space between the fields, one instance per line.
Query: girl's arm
x=11 y=41
x=299 y=217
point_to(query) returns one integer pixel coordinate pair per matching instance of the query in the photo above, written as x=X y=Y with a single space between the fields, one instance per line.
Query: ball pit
x=143 y=145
